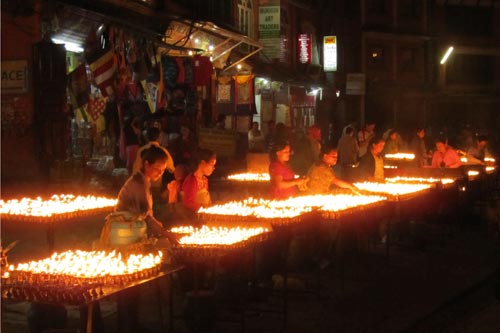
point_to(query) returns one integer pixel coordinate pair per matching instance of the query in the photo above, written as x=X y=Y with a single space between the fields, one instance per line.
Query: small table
x=107 y=291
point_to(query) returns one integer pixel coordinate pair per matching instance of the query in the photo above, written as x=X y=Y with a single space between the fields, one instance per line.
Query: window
x=377 y=6
x=410 y=8
x=470 y=69
x=245 y=17
x=408 y=59
x=470 y=21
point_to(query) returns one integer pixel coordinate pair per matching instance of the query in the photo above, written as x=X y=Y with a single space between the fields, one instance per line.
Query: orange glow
x=400 y=156
x=218 y=235
x=392 y=188
x=254 y=177
x=443 y=181
x=490 y=169
x=291 y=207
x=83 y=264
x=57 y=204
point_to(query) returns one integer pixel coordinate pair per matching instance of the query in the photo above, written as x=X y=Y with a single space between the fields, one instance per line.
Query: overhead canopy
x=175 y=36
x=214 y=41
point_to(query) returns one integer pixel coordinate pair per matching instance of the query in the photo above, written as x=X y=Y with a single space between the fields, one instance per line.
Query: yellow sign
x=14 y=76
x=222 y=142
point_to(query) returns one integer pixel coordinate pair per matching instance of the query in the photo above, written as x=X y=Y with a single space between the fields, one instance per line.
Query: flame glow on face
x=57 y=204
x=91 y=264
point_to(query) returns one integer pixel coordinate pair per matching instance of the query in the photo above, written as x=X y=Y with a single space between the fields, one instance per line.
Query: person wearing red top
x=283 y=181
x=445 y=156
x=195 y=186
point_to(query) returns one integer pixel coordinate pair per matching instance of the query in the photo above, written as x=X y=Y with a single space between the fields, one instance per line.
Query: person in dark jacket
x=371 y=164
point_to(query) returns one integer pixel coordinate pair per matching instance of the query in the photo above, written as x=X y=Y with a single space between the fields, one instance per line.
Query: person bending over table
x=135 y=197
x=445 y=156
x=283 y=181
x=195 y=186
x=321 y=175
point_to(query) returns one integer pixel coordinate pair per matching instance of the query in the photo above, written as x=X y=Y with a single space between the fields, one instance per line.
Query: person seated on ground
x=195 y=186
x=321 y=175
x=371 y=164
x=283 y=181
x=445 y=156
x=255 y=139
x=477 y=153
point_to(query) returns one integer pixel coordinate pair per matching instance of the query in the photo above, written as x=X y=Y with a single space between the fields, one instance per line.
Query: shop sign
x=305 y=48
x=270 y=30
x=329 y=53
x=14 y=76
x=355 y=84
x=222 y=142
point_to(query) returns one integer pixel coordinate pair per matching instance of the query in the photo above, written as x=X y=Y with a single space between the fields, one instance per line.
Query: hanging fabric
x=104 y=70
x=96 y=107
x=244 y=94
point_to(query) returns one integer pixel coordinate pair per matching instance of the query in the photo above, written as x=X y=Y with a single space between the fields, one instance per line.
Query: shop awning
x=218 y=43
x=175 y=36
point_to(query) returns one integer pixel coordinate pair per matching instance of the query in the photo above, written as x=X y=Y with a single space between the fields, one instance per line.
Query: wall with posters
x=18 y=35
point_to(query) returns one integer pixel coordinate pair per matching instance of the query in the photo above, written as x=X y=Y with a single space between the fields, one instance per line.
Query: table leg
x=88 y=321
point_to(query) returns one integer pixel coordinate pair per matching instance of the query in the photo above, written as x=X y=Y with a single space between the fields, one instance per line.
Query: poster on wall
x=14 y=76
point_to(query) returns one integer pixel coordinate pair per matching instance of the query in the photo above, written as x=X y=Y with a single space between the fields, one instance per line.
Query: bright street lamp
x=446 y=55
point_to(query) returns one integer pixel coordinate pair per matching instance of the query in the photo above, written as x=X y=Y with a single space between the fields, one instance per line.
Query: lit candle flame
x=392 y=188
x=57 y=204
x=443 y=181
x=400 y=156
x=83 y=264
x=217 y=235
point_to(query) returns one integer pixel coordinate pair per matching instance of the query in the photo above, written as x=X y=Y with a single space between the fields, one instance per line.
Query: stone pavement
x=445 y=285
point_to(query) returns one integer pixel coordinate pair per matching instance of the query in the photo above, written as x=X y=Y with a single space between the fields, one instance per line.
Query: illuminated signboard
x=304 y=48
x=330 y=53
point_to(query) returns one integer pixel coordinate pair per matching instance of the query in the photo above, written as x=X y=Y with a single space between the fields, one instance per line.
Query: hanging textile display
x=224 y=95
x=96 y=107
x=78 y=86
x=224 y=89
x=151 y=94
x=244 y=94
x=104 y=69
x=203 y=70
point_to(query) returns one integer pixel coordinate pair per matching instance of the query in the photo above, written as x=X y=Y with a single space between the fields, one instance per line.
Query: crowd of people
x=298 y=163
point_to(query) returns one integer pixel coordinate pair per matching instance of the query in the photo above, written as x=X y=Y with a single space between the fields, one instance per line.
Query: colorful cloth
x=96 y=107
x=104 y=70
x=279 y=169
x=196 y=193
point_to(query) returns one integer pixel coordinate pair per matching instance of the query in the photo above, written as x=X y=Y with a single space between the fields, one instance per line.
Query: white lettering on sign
x=330 y=53
x=304 y=48
x=14 y=76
